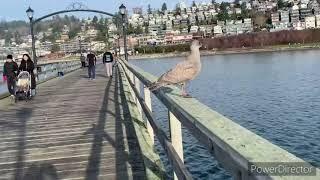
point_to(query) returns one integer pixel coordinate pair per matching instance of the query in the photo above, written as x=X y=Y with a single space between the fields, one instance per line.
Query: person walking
x=92 y=61
x=83 y=61
x=10 y=71
x=28 y=65
x=107 y=61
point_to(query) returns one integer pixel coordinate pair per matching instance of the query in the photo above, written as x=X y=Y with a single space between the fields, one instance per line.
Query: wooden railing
x=235 y=147
x=174 y=149
x=50 y=70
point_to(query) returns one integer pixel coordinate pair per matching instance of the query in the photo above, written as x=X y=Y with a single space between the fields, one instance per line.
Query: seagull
x=183 y=72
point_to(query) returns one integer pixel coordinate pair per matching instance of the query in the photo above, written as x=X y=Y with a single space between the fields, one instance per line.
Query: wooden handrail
x=178 y=165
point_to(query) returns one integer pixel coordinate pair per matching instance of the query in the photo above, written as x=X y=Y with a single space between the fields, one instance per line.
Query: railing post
x=137 y=83
x=147 y=99
x=176 y=136
x=131 y=77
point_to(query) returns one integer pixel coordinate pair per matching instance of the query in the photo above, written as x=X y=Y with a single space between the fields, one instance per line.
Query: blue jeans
x=92 y=72
x=11 y=82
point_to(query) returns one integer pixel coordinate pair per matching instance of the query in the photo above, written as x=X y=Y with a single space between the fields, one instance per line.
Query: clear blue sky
x=15 y=9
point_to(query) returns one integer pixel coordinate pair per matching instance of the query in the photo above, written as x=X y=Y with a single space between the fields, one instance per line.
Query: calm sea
x=275 y=95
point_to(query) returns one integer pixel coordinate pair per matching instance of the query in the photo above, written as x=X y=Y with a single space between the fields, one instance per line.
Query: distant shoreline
x=226 y=51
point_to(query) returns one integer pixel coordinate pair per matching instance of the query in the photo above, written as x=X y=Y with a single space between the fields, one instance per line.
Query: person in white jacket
x=107 y=61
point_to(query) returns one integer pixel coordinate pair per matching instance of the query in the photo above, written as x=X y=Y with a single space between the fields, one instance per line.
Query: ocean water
x=275 y=95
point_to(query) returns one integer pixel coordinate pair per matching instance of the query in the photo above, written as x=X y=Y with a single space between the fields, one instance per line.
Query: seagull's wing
x=180 y=73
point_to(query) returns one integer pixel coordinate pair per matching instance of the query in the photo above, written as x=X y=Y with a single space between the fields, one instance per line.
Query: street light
x=123 y=11
x=80 y=45
x=117 y=44
x=30 y=14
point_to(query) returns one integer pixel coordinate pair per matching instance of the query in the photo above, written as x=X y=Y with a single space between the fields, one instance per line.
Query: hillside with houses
x=161 y=26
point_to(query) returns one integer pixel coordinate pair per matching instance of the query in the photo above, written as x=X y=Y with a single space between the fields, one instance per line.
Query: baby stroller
x=23 y=86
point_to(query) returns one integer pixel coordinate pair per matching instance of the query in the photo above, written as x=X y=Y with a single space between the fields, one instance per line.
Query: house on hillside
x=310 y=22
x=314 y=5
x=318 y=21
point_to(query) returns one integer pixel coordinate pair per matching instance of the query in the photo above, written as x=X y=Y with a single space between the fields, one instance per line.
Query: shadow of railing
x=41 y=172
x=23 y=171
x=125 y=143
x=93 y=167
x=94 y=161
x=134 y=153
x=22 y=116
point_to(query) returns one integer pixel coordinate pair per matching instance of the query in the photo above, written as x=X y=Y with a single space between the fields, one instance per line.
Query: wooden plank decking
x=74 y=128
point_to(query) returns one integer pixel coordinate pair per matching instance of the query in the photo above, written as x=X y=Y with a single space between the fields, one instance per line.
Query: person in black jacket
x=92 y=62
x=28 y=65
x=10 y=72
x=107 y=61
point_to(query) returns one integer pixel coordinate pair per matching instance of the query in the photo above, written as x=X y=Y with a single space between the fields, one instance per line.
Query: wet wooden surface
x=75 y=128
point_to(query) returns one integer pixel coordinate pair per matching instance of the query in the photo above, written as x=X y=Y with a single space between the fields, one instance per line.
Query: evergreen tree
x=51 y=38
x=74 y=30
x=146 y=29
x=130 y=29
x=280 y=4
x=55 y=48
x=223 y=14
x=106 y=21
x=95 y=21
x=237 y=3
x=17 y=37
x=178 y=9
x=245 y=13
x=164 y=7
x=44 y=38
x=194 y=4
x=138 y=30
x=66 y=19
x=7 y=38
x=149 y=9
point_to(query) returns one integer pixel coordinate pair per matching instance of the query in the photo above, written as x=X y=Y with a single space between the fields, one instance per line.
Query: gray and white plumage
x=183 y=72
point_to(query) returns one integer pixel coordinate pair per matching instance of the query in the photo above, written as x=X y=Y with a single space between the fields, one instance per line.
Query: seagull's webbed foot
x=186 y=95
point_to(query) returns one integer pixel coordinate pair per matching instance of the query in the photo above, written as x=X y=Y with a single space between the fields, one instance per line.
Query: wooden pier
x=75 y=128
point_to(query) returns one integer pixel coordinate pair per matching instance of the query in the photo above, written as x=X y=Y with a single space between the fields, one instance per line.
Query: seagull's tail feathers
x=156 y=85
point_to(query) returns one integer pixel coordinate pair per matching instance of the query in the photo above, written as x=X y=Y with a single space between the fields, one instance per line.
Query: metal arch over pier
x=69 y=11
x=74 y=7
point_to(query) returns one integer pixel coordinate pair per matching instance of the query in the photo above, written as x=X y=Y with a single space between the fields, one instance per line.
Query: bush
x=163 y=48
x=262 y=39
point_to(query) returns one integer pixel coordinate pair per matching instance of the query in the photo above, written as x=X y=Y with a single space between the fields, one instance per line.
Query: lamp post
x=122 y=10
x=117 y=44
x=30 y=16
x=80 y=45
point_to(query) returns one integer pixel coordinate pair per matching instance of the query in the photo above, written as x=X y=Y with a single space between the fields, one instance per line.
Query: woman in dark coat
x=28 y=65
